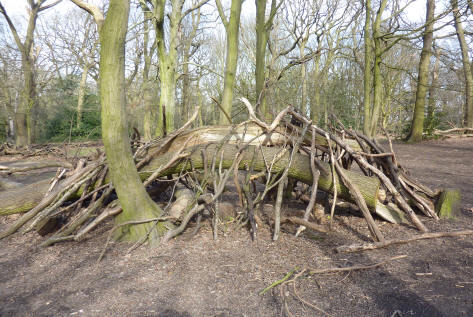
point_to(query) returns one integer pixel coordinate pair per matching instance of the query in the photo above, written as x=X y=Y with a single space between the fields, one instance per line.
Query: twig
x=277 y=210
x=372 y=246
x=334 y=180
x=305 y=223
x=307 y=303
x=105 y=214
x=285 y=278
x=315 y=182
x=262 y=124
x=355 y=267
x=132 y=222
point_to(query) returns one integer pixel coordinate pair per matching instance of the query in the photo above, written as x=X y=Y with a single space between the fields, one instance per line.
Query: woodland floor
x=203 y=277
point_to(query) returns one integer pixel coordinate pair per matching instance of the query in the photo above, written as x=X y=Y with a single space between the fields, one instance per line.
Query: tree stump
x=449 y=203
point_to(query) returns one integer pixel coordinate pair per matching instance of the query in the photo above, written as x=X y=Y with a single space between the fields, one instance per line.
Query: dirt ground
x=203 y=277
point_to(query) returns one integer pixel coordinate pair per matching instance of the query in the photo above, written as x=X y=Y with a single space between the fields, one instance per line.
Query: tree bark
x=81 y=94
x=468 y=110
x=431 y=103
x=263 y=27
x=147 y=86
x=377 y=78
x=232 y=27
x=167 y=62
x=367 y=74
x=300 y=170
x=136 y=203
x=417 y=127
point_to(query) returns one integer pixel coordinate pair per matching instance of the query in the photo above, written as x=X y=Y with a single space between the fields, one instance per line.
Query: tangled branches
x=202 y=160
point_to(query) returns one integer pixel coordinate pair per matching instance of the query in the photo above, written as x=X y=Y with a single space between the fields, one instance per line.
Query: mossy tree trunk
x=367 y=70
x=136 y=203
x=468 y=112
x=417 y=127
x=263 y=28
x=377 y=77
x=147 y=86
x=232 y=28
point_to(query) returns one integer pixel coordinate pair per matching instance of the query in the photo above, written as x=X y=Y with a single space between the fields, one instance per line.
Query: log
x=448 y=204
x=6 y=184
x=22 y=199
x=25 y=166
x=27 y=197
x=249 y=132
x=300 y=168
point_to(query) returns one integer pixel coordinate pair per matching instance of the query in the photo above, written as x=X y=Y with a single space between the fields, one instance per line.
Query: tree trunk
x=263 y=27
x=432 y=101
x=147 y=86
x=367 y=74
x=260 y=55
x=417 y=127
x=81 y=93
x=315 y=104
x=303 y=104
x=136 y=203
x=232 y=28
x=468 y=112
x=167 y=64
x=377 y=78
x=24 y=114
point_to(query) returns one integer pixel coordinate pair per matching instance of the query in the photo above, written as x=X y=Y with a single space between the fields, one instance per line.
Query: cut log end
x=448 y=204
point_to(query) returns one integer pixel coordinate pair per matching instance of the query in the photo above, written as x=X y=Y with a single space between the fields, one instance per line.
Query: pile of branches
x=202 y=161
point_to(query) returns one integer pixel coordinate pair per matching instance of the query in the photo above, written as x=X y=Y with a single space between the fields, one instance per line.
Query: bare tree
x=24 y=114
x=168 y=54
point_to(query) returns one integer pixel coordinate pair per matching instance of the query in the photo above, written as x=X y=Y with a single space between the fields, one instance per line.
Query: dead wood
x=280 y=151
x=305 y=223
x=30 y=166
x=378 y=245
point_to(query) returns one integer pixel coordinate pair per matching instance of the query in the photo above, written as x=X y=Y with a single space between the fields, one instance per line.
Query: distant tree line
x=373 y=63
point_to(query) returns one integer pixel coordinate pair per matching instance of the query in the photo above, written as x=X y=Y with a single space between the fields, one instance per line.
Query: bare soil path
x=202 y=277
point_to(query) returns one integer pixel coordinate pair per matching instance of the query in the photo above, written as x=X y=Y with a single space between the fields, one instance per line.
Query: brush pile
x=196 y=164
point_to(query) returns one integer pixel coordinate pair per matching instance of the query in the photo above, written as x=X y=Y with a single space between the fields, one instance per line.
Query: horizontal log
x=25 y=198
x=233 y=134
x=300 y=167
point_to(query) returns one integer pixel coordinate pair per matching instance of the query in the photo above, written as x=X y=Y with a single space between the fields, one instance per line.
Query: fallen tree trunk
x=30 y=166
x=249 y=132
x=21 y=200
x=300 y=167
